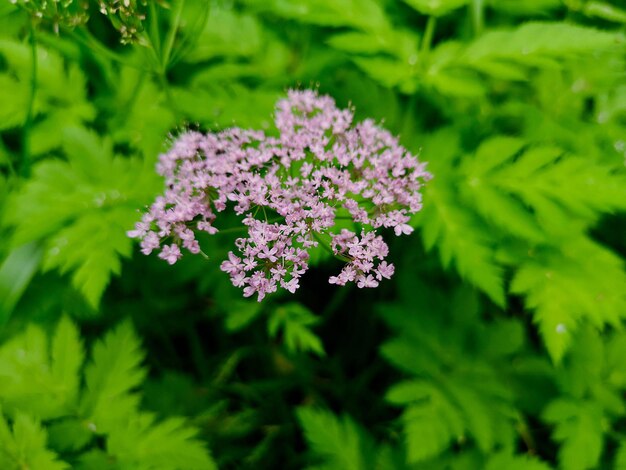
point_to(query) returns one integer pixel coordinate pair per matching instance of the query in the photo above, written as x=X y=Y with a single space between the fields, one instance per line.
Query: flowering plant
x=291 y=190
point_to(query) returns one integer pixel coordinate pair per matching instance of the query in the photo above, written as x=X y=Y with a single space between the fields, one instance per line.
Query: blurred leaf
x=431 y=421
x=110 y=377
x=144 y=443
x=241 y=313
x=294 y=321
x=436 y=7
x=16 y=272
x=515 y=462
x=582 y=282
x=24 y=446
x=579 y=429
x=339 y=442
x=83 y=209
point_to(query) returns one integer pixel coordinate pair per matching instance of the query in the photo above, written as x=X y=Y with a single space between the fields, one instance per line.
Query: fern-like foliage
x=338 y=442
x=23 y=445
x=467 y=402
x=41 y=380
x=81 y=209
x=591 y=383
x=294 y=321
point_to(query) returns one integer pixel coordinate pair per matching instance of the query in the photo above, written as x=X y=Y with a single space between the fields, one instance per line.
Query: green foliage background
x=499 y=344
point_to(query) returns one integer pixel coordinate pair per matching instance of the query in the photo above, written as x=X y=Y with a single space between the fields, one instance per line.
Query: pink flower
x=321 y=166
x=170 y=253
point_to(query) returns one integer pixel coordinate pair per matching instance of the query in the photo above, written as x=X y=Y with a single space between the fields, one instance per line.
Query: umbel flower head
x=68 y=13
x=290 y=192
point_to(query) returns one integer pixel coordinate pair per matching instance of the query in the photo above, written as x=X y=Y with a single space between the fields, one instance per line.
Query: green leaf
x=67 y=357
x=620 y=455
x=91 y=249
x=24 y=446
x=69 y=435
x=436 y=7
x=26 y=382
x=361 y=14
x=402 y=44
x=579 y=428
x=431 y=421
x=227 y=33
x=539 y=39
x=461 y=239
x=507 y=461
x=143 y=443
x=389 y=72
x=112 y=374
x=338 y=441
x=581 y=281
x=241 y=313
x=542 y=191
x=295 y=320
x=16 y=272
x=82 y=209
x=605 y=11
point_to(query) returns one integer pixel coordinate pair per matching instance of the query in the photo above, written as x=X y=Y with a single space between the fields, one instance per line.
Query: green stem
x=85 y=37
x=428 y=35
x=171 y=35
x=478 y=16
x=324 y=245
x=154 y=34
x=165 y=86
x=189 y=40
x=25 y=164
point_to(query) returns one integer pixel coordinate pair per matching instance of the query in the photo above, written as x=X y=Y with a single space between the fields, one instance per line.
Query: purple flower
x=170 y=253
x=340 y=169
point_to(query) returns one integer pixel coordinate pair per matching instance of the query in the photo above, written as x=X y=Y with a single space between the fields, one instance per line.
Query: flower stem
x=25 y=163
x=324 y=245
x=478 y=16
x=428 y=35
x=171 y=35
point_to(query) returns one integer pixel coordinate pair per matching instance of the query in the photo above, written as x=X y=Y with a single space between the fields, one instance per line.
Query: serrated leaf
x=582 y=281
x=506 y=461
x=338 y=441
x=144 y=443
x=112 y=374
x=540 y=192
x=24 y=446
x=91 y=249
x=431 y=421
x=82 y=209
x=294 y=321
x=67 y=357
x=26 y=382
x=579 y=428
x=460 y=239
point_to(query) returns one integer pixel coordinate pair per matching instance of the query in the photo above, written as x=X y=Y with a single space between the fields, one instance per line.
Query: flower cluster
x=68 y=13
x=291 y=191
x=127 y=16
